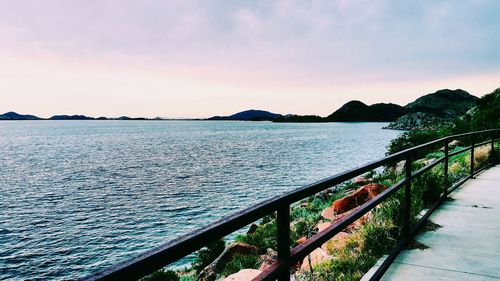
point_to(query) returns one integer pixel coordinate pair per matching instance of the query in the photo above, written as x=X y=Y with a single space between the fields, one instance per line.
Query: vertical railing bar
x=446 y=152
x=407 y=199
x=283 y=218
x=472 y=157
x=492 y=153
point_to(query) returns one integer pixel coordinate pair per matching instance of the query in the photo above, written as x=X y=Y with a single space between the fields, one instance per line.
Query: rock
x=317 y=256
x=323 y=225
x=400 y=167
x=425 y=162
x=211 y=270
x=327 y=213
x=324 y=194
x=357 y=198
x=301 y=240
x=453 y=144
x=268 y=259
x=418 y=121
x=253 y=227
x=361 y=181
x=337 y=242
x=243 y=275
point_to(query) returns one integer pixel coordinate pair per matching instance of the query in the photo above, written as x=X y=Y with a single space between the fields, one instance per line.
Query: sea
x=79 y=196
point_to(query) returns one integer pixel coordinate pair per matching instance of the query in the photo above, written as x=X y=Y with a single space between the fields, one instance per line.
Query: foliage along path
x=464 y=244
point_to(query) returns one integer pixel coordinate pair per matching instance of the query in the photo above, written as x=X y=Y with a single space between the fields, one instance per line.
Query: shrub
x=263 y=238
x=414 y=138
x=208 y=254
x=162 y=275
x=239 y=262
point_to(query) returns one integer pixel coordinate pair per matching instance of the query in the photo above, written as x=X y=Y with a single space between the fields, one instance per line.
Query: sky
x=197 y=59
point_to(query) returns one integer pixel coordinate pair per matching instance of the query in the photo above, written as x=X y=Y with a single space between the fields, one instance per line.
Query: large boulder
x=357 y=198
x=243 y=275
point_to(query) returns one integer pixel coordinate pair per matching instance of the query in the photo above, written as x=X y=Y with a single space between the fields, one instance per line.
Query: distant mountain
x=357 y=111
x=71 y=117
x=435 y=109
x=249 y=115
x=15 y=116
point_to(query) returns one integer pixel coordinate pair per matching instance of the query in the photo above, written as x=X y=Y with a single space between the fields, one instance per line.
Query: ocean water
x=78 y=196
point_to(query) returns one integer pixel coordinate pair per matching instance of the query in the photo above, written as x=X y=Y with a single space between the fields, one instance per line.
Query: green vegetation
x=239 y=262
x=208 y=254
x=366 y=242
x=162 y=275
x=263 y=238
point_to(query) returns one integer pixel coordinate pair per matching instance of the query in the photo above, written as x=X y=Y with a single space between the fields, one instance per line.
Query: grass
x=239 y=262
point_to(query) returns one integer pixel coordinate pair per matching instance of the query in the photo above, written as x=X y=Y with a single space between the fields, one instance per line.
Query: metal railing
x=159 y=257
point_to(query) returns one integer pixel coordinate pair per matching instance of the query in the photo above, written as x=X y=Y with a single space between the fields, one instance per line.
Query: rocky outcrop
x=433 y=110
x=357 y=198
x=210 y=271
x=243 y=275
x=417 y=121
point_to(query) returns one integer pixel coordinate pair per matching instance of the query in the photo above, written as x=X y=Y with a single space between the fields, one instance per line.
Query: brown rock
x=268 y=259
x=301 y=240
x=209 y=272
x=253 y=227
x=243 y=275
x=322 y=225
x=327 y=213
x=357 y=198
x=361 y=181
x=337 y=242
x=317 y=256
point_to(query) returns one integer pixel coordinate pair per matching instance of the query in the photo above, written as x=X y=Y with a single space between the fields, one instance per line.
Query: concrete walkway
x=467 y=246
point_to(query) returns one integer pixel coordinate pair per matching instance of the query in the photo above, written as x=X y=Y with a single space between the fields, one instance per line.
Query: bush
x=208 y=254
x=162 y=275
x=265 y=236
x=239 y=262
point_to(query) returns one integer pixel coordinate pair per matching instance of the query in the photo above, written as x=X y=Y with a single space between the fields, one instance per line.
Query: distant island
x=426 y=112
x=16 y=116
x=440 y=107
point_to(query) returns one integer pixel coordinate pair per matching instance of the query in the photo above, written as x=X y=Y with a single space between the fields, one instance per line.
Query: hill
x=445 y=103
x=435 y=109
x=357 y=111
x=71 y=117
x=249 y=115
x=16 y=116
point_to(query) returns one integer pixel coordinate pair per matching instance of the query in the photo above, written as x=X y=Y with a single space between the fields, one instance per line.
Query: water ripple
x=77 y=196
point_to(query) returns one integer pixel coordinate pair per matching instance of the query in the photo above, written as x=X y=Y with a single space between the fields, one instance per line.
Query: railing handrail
x=180 y=247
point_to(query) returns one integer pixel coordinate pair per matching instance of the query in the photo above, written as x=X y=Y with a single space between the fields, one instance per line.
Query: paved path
x=467 y=246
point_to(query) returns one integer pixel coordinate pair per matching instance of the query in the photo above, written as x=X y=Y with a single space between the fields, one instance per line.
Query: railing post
x=446 y=155
x=284 y=238
x=472 y=157
x=407 y=199
x=492 y=153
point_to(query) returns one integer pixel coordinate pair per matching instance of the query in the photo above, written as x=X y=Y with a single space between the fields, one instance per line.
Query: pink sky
x=199 y=59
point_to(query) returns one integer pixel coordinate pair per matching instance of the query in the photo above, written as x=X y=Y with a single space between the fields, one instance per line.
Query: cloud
x=271 y=45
